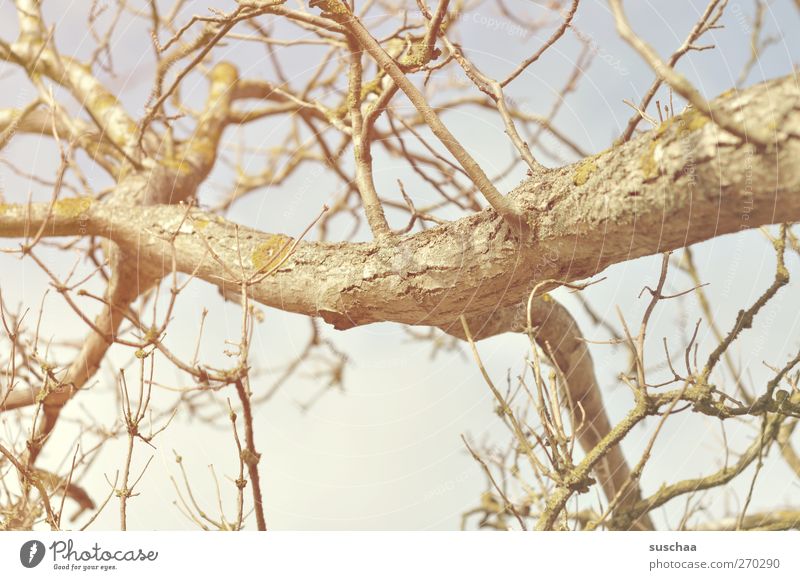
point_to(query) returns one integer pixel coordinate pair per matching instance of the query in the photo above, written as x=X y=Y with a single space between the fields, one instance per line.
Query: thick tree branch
x=172 y=181
x=682 y=183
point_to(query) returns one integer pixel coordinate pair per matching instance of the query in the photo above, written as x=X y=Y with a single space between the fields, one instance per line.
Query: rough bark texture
x=681 y=183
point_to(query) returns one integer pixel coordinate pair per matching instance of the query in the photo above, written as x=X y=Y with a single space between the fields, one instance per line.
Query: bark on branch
x=682 y=183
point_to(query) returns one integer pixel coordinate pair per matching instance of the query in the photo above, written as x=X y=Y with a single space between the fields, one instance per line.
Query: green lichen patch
x=270 y=253
x=332 y=7
x=151 y=335
x=72 y=207
x=694 y=120
x=204 y=148
x=418 y=55
x=372 y=87
x=584 y=171
x=183 y=166
x=201 y=223
x=691 y=120
x=104 y=101
x=225 y=74
x=678 y=126
x=648 y=163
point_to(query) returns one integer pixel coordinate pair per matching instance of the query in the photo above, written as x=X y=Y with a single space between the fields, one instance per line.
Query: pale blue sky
x=387 y=453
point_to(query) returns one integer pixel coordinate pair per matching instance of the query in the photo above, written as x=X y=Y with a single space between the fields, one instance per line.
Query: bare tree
x=384 y=80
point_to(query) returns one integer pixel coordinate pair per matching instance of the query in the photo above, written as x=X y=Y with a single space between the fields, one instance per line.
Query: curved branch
x=557 y=332
x=679 y=184
x=171 y=182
